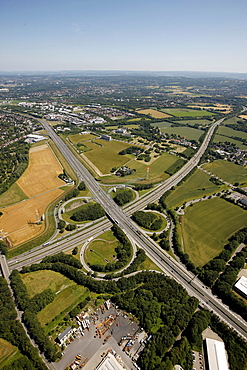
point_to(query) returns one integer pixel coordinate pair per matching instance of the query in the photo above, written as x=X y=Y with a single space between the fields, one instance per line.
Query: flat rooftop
x=109 y=363
x=216 y=354
x=241 y=285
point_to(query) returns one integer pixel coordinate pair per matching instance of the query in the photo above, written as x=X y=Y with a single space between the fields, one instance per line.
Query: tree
x=75 y=251
x=82 y=186
x=61 y=224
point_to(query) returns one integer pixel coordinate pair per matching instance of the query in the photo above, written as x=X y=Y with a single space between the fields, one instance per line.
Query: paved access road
x=119 y=216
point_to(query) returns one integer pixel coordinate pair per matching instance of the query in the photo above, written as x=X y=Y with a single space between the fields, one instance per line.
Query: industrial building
x=215 y=356
x=110 y=362
x=241 y=286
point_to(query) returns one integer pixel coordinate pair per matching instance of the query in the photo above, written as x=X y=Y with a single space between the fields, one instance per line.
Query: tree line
x=12 y=331
x=30 y=308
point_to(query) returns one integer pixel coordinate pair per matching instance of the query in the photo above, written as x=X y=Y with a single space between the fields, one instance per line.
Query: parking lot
x=109 y=329
x=198 y=361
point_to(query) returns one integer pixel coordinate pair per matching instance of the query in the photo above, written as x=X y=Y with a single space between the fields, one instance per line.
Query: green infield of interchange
x=8 y=353
x=206 y=227
x=104 y=154
x=119 y=191
x=184 y=112
x=228 y=171
x=185 y=132
x=100 y=251
x=163 y=226
x=67 y=214
x=196 y=186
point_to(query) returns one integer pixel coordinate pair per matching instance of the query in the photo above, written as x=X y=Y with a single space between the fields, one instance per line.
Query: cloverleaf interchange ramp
x=168 y=265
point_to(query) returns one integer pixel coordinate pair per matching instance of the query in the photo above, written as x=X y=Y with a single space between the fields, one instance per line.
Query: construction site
x=108 y=336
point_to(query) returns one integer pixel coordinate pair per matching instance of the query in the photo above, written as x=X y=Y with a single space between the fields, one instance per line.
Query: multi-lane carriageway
x=168 y=265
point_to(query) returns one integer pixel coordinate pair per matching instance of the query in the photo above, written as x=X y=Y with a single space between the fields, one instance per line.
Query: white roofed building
x=241 y=286
x=216 y=358
x=110 y=363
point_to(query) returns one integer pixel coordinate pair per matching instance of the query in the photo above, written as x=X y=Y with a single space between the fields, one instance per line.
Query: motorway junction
x=120 y=216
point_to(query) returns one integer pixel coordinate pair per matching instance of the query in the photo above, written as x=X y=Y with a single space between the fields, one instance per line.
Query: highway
x=168 y=265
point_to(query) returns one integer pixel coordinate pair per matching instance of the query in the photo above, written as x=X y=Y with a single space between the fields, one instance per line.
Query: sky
x=136 y=35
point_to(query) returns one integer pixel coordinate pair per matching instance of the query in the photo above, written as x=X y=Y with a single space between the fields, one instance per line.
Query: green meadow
x=186 y=132
x=228 y=171
x=101 y=250
x=196 y=186
x=104 y=154
x=184 y=112
x=221 y=139
x=207 y=225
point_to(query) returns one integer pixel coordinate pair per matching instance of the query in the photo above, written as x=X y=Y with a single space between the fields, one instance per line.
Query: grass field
x=228 y=171
x=227 y=131
x=68 y=293
x=231 y=121
x=104 y=154
x=80 y=138
x=102 y=249
x=184 y=112
x=221 y=139
x=194 y=122
x=192 y=188
x=148 y=264
x=207 y=225
x=186 y=132
x=64 y=301
x=7 y=353
x=161 y=125
x=156 y=168
x=13 y=195
x=38 y=281
x=153 y=113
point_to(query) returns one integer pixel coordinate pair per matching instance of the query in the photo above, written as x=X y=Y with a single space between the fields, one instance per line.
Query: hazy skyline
x=168 y=35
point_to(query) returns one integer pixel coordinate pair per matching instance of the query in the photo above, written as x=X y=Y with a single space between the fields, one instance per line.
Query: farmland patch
x=228 y=171
x=153 y=113
x=185 y=112
x=207 y=225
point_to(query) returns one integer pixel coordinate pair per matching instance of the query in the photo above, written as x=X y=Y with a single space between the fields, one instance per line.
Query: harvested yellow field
x=218 y=107
x=244 y=116
x=154 y=113
x=42 y=172
x=19 y=220
x=41 y=184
